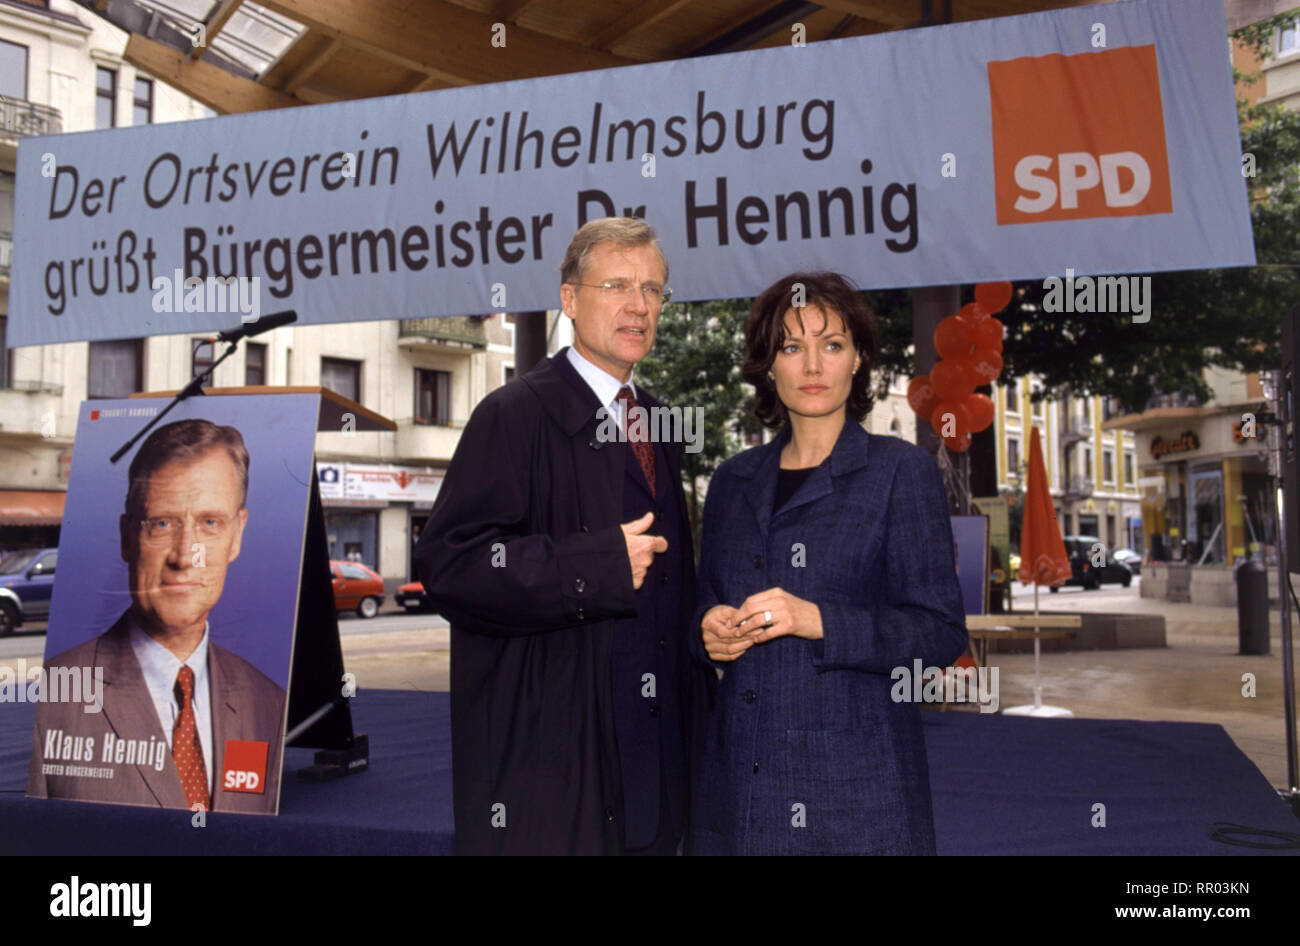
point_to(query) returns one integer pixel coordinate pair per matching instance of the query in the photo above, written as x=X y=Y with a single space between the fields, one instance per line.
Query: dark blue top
x=788 y=483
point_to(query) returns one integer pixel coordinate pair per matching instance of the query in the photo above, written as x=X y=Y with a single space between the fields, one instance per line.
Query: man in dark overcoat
x=560 y=552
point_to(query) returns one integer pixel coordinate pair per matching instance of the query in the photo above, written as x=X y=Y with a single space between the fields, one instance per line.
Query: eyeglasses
x=160 y=530
x=655 y=296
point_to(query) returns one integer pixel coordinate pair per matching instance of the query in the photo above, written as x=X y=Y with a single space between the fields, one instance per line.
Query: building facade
x=1206 y=495
x=61 y=70
x=1091 y=464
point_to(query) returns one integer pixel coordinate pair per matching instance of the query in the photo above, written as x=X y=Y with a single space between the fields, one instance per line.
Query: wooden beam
x=895 y=13
x=966 y=10
x=512 y=10
x=310 y=65
x=443 y=39
x=215 y=23
x=422 y=84
x=766 y=18
x=634 y=21
x=211 y=85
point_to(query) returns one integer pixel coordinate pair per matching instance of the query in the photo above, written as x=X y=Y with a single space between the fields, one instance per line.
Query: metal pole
x=1292 y=791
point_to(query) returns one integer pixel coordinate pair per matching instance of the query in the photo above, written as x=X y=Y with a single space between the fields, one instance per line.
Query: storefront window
x=1205 y=537
x=1261 y=527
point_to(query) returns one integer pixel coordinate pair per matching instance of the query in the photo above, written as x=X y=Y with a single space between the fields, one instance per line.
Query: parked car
x=26 y=582
x=1130 y=560
x=1079 y=549
x=411 y=596
x=357 y=587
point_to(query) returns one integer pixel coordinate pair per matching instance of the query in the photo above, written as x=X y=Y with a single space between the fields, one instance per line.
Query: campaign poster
x=171 y=628
x=971 y=535
x=995 y=508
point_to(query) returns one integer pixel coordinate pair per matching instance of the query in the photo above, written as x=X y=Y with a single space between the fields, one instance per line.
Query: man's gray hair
x=621 y=231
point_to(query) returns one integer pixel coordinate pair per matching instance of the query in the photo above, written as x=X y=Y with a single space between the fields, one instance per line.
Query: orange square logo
x=1079 y=136
x=245 y=768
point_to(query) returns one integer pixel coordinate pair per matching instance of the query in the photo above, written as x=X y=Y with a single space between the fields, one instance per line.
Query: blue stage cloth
x=1002 y=785
x=402 y=805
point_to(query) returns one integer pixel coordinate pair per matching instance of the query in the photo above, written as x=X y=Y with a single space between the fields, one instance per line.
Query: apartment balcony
x=1073 y=431
x=22 y=119
x=31 y=409
x=1076 y=488
x=423 y=443
x=1173 y=400
x=1162 y=410
x=463 y=334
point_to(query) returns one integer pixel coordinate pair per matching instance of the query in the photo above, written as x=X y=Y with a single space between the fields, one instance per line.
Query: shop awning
x=30 y=507
x=339 y=503
x=1159 y=417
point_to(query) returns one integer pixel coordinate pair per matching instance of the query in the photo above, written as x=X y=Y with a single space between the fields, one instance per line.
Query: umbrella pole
x=1038 y=679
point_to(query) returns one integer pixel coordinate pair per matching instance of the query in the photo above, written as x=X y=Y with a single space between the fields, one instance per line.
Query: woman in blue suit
x=826 y=563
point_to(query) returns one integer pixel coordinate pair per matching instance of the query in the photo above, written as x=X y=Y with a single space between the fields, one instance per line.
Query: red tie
x=187 y=753
x=644 y=451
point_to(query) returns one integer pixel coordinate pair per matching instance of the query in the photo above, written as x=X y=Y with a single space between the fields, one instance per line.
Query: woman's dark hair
x=765 y=336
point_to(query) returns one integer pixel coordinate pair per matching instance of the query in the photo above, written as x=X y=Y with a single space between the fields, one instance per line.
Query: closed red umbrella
x=1042 y=550
x=1042 y=561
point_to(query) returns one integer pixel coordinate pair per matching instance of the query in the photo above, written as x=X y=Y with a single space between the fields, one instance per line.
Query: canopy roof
x=282 y=53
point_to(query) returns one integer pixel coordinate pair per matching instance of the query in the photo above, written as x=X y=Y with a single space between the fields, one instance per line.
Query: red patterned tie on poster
x=186 y=751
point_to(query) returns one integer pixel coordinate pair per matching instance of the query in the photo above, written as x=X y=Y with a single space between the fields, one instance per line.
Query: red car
x=411 y=596
x=357 y=587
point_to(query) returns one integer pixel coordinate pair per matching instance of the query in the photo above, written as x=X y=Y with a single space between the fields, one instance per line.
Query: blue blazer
x=806 y=751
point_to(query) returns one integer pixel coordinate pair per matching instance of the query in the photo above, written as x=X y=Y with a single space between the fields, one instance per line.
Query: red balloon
x=993 y=296
x=980 y=410
x=958 y=423
x=953 y=338
x=958 y=444
x=988 y=365
x=921 y=396
x=952 y=379
x=988 y=334
x=972 y=312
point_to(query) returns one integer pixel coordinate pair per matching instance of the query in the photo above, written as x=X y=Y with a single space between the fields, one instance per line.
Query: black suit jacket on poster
x=246 y=705
x=524 y=555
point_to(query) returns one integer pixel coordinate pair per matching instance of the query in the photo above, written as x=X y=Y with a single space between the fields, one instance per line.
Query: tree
x=695 y=363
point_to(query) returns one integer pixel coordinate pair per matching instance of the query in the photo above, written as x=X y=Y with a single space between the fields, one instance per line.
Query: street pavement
x=1198 y=677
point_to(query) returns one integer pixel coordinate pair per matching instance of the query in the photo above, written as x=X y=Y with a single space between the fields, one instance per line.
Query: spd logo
x=1079 y=136
x=245 y=768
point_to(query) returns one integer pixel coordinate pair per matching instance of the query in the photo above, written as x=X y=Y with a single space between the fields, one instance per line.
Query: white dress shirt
x=160 y=668
x=603 y=384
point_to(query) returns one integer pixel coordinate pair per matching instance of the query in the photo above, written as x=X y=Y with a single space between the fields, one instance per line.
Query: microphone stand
x=194 y=387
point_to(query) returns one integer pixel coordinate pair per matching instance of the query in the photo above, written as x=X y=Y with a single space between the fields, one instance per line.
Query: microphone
x=257 y=326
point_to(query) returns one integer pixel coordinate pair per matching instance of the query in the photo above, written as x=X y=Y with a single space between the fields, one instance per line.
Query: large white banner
x=1100 y=139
